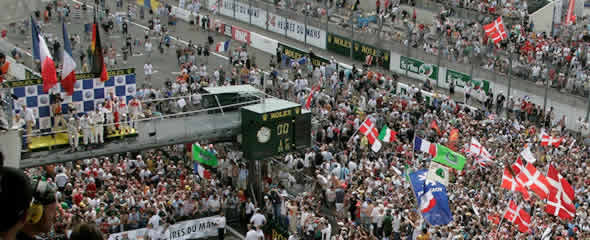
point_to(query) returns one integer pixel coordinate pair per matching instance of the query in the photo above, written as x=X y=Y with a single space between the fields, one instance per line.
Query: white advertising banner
x=263 y=43
x=191 y=229
x=227 y=7
x=242 y=10
x=296 y=30
x=181 y=14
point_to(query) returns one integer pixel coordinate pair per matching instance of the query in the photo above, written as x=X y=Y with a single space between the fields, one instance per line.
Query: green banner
x=461 y=80
x=361 y=50
x=338 y=44
x=418 y=67
x=34 y=80
x=296 y=54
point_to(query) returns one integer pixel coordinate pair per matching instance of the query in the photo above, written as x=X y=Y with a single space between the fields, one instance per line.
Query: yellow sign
x=281 y=114
x=277 y=236
x=155 y=4
x=264 y=117
x=342 y=42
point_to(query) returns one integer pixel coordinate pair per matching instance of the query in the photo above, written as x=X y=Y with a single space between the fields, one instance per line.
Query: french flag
x=222 y=46
x=68 y=76
x=203 y=173
x=424 y=146
x=48 y=73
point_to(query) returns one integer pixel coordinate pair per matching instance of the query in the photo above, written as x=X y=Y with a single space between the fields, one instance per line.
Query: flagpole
x=413 y=151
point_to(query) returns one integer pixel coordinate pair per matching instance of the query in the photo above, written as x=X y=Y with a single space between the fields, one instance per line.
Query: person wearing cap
x=44 y=196
x=16 y=195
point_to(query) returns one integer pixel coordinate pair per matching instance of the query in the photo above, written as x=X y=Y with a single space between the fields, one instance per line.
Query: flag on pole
x=495 y=30
x=310 y=97
x=48 y=72
x=449 y=158
x=201 y=171
x=570 y=17
x=387 y=134
x=532 y=179
x=560 y=201
x=98 y=64
x=434 y=126
x=511 y=183
x=203 y=156
x=453 y=138
x=528 y=155
x=35 y=36
x=222 y=46
x=369 y=129
x=517 y=215
x=424 y=145
x=548 y=140
x=433 y=201
x=68 y=75
x=438 y=173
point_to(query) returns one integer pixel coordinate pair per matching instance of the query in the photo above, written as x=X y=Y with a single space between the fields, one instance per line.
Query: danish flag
x=560 y=201
x=547 y=140
x=515 y=214
x=513 y=184
x=495 y=30
x=368 y=129
x=532 y=179
x=517 y=167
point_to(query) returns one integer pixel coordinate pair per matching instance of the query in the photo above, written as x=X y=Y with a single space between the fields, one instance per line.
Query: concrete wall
x=543 y=18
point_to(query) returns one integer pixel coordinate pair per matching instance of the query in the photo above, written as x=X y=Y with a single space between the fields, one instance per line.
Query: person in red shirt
x=4 y=66
x=91 y=189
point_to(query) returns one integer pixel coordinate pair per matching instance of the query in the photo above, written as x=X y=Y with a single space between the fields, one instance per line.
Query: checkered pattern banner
x=88 y=93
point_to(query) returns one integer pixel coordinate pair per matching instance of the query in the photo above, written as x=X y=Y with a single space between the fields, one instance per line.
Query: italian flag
x=387 y=135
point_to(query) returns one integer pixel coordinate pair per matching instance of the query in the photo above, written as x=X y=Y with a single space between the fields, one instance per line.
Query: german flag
x=98 y=64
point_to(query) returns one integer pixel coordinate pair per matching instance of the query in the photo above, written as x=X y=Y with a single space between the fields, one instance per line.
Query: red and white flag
x=532 y=179
x=570 y=17
x=495 y=30
x=479 y=153
x=547 y=140
x=48 y=72
x=560 y=202
x=310 y=97
x=369 y=129
x=517 y=166
x=515 y=214
x=511 y=183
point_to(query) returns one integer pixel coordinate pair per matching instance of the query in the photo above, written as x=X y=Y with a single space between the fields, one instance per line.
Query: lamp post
x=410 y=29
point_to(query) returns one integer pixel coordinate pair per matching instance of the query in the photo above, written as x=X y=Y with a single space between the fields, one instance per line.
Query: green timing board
x=274 y=127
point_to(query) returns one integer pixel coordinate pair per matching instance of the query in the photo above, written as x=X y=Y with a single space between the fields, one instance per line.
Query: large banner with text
x=191 y=229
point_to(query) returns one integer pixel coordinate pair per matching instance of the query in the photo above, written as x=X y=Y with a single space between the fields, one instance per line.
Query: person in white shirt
x=258 y=219
x=29 y=117
x=98 y=118
x=61 y=179
x=148 y=49
x=73 y=132
x=86 y=125
x=148 y=70
x=134 y=110
x=155 y=220
x=251 y=234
